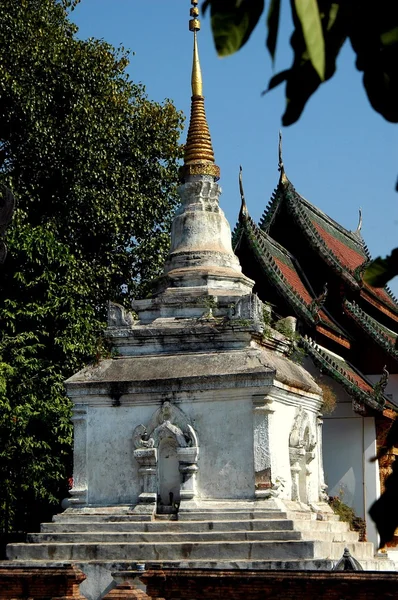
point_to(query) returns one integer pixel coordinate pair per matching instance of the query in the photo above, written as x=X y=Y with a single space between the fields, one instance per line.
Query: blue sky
x=341 y=155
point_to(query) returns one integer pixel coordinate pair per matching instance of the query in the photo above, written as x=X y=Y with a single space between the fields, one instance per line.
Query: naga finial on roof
x=243 y=208
x=358 y=229
x=380 y=386
x=281 y=166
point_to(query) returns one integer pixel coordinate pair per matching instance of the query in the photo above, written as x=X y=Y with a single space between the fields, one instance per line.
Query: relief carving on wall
x=118 y=316
x=168 y=422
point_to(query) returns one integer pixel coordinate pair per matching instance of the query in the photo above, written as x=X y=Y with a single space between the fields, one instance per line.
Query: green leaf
x=233 y=22
x=389 y=37
x=381 y=270
x=277 y=80
x=334 y=10
x=308 y=14
x=273 y=26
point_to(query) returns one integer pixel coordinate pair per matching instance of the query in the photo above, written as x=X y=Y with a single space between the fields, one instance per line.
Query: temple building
x=307 y=265
x=198 y=444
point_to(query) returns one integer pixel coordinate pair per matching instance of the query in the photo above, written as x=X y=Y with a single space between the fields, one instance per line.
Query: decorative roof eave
x=314 y=238
x=368 y=295
x=370 y=327
x=324 y=361
x=285 y=192
x=332 y=336
x=255 y=238
x=272 y=207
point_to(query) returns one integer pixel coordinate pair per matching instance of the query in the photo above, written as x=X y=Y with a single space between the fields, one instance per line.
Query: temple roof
x=287 y=277
x=344 y=251
x=386 y=338
x=354 y=382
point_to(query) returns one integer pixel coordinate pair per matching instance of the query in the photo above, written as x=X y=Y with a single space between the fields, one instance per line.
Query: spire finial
x=198 y=155
x=194 y=25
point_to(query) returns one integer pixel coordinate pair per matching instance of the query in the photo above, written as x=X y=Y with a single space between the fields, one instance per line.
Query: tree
x=93 y=166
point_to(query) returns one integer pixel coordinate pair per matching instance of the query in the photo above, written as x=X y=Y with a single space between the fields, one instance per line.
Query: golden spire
x=198 y=154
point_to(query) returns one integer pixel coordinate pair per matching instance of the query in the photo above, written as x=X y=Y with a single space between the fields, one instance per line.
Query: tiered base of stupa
x=262 y=534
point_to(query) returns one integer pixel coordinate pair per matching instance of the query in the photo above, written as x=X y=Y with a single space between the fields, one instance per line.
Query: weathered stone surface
x=218 y=535
x=255 y=365
x=201 y=254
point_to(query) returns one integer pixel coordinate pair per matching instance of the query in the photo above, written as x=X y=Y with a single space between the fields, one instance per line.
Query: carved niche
x=167 y=424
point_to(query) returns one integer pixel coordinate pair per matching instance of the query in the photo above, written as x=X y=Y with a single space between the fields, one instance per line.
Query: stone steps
x=166 y=526
x=348 y=537
x=317 y=527
x=379 y=563
x=254 y=550
x=78 y=517
x=211 y=550
x=164 y=537
x=229 y=515
x=223 y=535
x=191 y=536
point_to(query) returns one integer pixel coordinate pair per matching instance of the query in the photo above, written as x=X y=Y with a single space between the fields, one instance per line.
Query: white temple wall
x=113 y=476
x=294 y=445
x=281 y=423
x=349 y=442
x=226 y=461
x=104 y=450
x=236 y=428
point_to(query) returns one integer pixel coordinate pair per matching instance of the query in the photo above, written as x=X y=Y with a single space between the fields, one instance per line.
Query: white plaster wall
x=281 y=422
x=372 y=477
x=343 y=457
x=349 y=442
x=225 y=432
x=316 y=477
x=224 y=423
x=112 y=471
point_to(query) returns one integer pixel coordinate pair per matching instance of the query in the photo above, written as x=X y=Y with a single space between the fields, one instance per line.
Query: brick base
x=126 y=591
x=186 y=584
x=40 y=583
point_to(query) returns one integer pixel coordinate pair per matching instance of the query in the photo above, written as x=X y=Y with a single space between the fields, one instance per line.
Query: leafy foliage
x=93 y=165
x=233 y=22
x=381 y=270
x=347 y=514
x=320 y=29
